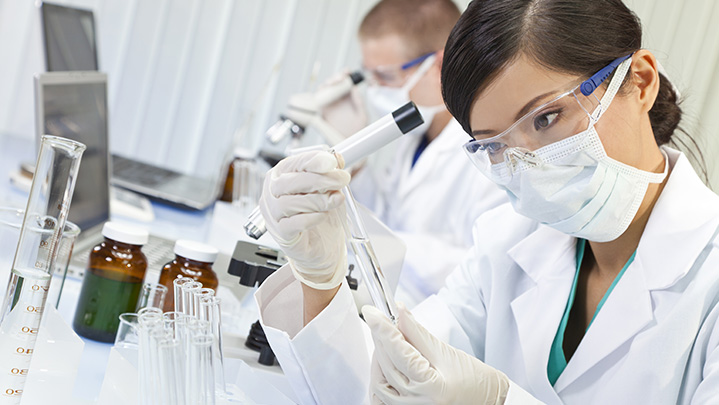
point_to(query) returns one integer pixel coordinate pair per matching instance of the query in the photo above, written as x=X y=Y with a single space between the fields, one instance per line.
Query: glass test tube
x=176 y=323
x=197 y=298
x=188 y=297
x=201 y=378
x=167 y=348
x=367 y=259
x=149 y=319
x=177 y=291
x=210 y=311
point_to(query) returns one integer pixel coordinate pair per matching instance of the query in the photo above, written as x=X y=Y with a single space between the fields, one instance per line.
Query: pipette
x=356 y=147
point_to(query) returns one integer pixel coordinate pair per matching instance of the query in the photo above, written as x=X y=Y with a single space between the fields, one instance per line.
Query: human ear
x=645 y=75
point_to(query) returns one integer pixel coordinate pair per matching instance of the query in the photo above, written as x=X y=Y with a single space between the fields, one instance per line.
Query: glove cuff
x=338 y=274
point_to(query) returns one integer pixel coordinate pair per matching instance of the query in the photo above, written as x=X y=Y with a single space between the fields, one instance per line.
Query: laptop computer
x=70 y=44
x=74 y=105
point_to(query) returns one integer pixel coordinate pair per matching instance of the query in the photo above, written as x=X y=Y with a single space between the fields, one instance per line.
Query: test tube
x=168 y=387
x=201 y=378
x=367 y=259
x=177 y=291
x=176 y=323
x=149 y=319
x=197 y=298
x=188 y=297
x=210 y=310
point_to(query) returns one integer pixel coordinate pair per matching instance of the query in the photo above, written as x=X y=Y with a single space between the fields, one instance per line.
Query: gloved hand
x=348 y=114
x=304 y=210
x=411 y=366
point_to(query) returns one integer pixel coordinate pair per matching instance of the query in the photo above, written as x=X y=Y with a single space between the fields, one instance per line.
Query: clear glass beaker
x=152 y=295
x=37 y=250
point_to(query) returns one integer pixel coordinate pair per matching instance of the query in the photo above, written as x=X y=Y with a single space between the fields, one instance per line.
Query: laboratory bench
x=263 y=384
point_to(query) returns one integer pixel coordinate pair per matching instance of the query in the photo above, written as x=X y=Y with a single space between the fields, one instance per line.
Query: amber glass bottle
x=112 y=283
x=229 y=181
x=240 y=155
x=192 y=259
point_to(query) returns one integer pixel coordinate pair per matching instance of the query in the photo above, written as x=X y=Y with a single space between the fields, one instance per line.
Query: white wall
x=185 y=75
x=684 y=36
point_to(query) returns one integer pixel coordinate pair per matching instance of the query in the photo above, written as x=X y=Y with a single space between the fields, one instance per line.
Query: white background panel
x=186 y=77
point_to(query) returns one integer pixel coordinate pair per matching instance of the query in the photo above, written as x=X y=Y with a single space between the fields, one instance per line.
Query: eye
x=545 y=120
x=492 y=148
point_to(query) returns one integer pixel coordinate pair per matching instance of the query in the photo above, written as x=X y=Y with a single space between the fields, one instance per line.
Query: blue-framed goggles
x=567 y=114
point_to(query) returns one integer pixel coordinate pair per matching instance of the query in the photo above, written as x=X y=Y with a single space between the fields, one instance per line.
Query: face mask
x=578 y=189
x=383 y=100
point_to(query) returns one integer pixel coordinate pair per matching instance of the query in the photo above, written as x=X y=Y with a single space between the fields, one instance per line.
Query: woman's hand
x=411 y=366
x=304 y=210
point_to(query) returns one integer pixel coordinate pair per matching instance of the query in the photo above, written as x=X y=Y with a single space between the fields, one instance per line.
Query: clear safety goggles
x=393 y=75
x=567 y=114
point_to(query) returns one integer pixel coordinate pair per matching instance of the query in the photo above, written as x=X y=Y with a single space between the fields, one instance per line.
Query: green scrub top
x=557 y=361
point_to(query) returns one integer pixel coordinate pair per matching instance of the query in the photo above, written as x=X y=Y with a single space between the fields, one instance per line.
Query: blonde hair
x=423 y=25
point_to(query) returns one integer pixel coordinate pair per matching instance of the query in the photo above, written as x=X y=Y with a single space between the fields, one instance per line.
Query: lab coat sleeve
x=518 y=396
x=457 y=315
x=428 y=261
x=708 y=390
x=328 y=360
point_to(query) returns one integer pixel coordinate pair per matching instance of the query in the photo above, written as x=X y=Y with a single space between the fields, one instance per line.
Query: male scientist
x=429 y=193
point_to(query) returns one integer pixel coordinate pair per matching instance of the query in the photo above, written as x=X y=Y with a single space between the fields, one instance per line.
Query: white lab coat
x=430 y=206
x=655 y=340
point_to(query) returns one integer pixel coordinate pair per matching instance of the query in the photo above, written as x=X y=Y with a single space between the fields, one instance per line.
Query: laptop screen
x=74 y=105
x=69 y=38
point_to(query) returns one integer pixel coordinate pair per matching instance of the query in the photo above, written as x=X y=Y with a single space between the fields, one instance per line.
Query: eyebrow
x=527 y=108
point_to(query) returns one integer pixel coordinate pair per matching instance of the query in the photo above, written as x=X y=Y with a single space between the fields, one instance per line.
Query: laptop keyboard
x=157 y=250
x=140 y=173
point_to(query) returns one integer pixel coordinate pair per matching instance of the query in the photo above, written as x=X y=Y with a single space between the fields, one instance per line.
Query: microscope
x=304 y=110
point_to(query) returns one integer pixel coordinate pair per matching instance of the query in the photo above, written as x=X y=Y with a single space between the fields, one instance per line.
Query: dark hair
x=423 y=25
x=570 y=36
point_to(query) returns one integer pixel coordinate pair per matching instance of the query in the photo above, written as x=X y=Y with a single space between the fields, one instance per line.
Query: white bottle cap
x=195 y=251
x=124 y=233
x=244 y=153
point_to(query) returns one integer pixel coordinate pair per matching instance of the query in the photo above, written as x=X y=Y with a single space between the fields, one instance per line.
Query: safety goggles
x=393 y=75
x=567 y=114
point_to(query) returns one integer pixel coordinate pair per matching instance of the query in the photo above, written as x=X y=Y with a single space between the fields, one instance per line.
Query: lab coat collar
x=532 y=255
x=538 y=310
x=626 y=312
x=669 y=227
x=450 y=140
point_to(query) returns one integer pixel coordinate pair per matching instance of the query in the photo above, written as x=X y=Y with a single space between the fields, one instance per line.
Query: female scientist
x=602 y=287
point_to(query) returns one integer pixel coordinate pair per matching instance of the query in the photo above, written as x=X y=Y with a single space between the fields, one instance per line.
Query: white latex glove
x=348 y=114
x=411 y=366
x=304 y=210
